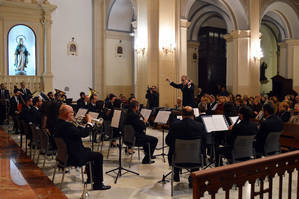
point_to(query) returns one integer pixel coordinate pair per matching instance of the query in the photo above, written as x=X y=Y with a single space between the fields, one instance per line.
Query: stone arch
x=120 y=14
x=284 y=16
x=233 y=8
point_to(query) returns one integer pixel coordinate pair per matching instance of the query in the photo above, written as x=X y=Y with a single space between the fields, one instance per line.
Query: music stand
x=162 y=118
x=117 y=122
x=214 y=124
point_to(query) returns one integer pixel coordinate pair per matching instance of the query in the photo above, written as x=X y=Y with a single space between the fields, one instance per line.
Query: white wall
x=72 y=18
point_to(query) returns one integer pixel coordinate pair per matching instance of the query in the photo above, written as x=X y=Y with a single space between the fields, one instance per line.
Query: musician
x=186 y=129
x=187 y=88
x=92 y=107
x=35 y=111
x=25 y=91
x=78 y=154
x=271 y=123
x=51 y=96
x=243 y=127
x=152 y=97
x=26 y=110
x=13 y=109
x=133 y=118
x=80 y=102
x=110 y=100
x=4 y=99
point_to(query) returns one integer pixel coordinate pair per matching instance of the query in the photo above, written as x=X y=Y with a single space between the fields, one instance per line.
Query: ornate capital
x=237 y=34
x=185 y=23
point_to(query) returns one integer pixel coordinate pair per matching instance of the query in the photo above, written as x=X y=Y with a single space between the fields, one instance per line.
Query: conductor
x=187 y=88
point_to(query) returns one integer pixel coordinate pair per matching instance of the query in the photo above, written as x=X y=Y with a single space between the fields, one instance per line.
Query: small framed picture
x=119 y=49
x=72 y=48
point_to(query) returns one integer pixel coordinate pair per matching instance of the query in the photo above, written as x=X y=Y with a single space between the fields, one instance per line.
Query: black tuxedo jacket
x=26 y=114
x=186 y=129
x=243 y=128
x=72 y=137
x=35 y=116
x=5 y=95
x=271 y=124
x=26 y=92
x=80 y=103
x=188 y=93
x=92 y=108
x=13 y=106
x=139 y=126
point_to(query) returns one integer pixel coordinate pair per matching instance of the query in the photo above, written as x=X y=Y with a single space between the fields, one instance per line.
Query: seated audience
x=77 y=153
x=283 y=112
x=26 y=110
x=295 y=117
x=35 y=111
x=133 y=118
x=186 y=129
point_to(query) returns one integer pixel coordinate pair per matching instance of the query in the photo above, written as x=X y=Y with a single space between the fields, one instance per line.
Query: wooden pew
x=289 y=139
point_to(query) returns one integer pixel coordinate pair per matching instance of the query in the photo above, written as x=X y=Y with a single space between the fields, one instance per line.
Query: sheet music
x=146 y=113
x=162 y=117
x=234 y=119
x=219 y=123
x=179 y=117
x=81 y=113
x=116 y=118
x=93 y=115
x=208 y=122
x=215 y=123
x=196 y=112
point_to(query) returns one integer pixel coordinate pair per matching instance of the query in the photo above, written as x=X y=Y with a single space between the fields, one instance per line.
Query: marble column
x=255 y=47
x=238 y=61
x=289 y=67
x=98 y=47
x=192 y=54
x=183 y=69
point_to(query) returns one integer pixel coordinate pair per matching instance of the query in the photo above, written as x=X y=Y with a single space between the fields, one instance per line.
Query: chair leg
x=109 y=149
x=138 y=153
x=172 y=176
x=63 y=170
x=131 y=160
x=54 y=172
x=82 y=174
x=90 y=173
x=38 y=157
x=45 y=157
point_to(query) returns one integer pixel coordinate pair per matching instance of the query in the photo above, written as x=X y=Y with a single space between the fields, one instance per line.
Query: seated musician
x=26 y=110
x=80 y=102
x=133 y=118
x=92 y=107
x=78 y=154
x=271 y=123
x=35 y=111
x=243 y=128
x=186 y=129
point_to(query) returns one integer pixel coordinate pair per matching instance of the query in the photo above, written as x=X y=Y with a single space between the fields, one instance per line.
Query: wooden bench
x=289 y=139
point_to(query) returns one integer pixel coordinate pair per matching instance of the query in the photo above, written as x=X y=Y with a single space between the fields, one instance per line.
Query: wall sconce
x=258 y=54
x=168 y=49
x=140 y=51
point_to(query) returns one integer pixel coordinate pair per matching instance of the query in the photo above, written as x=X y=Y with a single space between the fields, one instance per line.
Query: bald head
x=188 y=112
x=66 y=112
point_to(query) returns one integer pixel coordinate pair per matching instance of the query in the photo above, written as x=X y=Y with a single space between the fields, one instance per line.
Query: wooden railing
x=211 y=180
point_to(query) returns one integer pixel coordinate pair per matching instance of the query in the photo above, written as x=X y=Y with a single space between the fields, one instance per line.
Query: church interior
x=224 y=69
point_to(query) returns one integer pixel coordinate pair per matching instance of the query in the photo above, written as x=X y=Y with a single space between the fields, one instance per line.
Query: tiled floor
x=145 y=186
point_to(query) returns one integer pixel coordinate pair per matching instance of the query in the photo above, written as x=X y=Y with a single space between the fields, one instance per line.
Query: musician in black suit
x=92 y=107
x=243 y=127
x=26 y=110
x=78 y=154
x=35 y=111
x=4 y=99
x=271 y=123
x=186 y=129
x=133 y=118
x=187 y=88
x=13 y=108
x=25 y=91
x=80 y=102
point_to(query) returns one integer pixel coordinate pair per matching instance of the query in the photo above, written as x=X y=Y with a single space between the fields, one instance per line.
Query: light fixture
x=140 y=51
x=258 y=54
x=168 y=49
